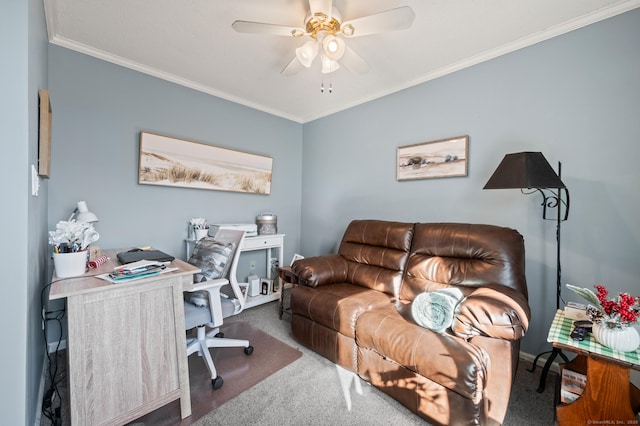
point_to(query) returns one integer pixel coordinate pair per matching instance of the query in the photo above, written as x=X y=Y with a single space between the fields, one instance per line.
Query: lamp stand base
x=547 y=365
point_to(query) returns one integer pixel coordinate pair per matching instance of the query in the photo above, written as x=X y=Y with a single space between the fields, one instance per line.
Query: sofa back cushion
x=376 y=253
x=465 y=255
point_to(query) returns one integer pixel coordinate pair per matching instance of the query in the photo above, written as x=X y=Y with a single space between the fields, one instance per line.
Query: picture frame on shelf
x=436 y=159
x=168 y=161
x=295 y=257
x=266 y=286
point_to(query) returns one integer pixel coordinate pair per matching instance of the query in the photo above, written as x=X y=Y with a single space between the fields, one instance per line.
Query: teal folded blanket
x=435 y=310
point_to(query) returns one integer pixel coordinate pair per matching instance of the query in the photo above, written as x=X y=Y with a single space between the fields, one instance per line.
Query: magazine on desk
x=136 y=270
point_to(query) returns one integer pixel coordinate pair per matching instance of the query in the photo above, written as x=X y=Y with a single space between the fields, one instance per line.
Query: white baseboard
x=555 y=365
x=41 y=391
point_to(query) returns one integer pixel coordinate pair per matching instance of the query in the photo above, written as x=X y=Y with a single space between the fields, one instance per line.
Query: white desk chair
x=210 y=310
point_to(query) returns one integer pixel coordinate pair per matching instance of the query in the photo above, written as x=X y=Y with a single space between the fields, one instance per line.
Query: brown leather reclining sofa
x=354 y=308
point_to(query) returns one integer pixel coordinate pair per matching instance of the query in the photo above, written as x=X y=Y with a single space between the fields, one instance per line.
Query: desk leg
x=606 y=397
x=183 y=363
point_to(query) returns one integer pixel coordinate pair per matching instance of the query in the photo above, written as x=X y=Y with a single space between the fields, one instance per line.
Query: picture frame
x=168 y=161
x=436 y=159
x=266 y=286
x=295 y=257
x=44 y=134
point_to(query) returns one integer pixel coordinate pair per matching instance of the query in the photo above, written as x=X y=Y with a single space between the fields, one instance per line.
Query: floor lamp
x=530 y=170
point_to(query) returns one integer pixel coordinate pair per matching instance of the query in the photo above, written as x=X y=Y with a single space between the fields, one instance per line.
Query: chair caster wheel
x=217 y=382
x=220 y=335
x=248 y=350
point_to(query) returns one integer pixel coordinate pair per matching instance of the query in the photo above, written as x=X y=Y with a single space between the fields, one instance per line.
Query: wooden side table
x=288 y=280
x=608 y=395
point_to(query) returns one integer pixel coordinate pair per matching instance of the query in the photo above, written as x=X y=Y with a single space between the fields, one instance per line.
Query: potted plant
x=614 y=319
x=70 y=241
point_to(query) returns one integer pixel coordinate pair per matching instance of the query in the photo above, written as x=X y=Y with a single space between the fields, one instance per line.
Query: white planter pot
x=201 y=233
x=70 y=264
x=620 y=339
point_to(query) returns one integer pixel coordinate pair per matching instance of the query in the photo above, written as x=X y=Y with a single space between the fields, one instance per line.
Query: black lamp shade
x=524 y=170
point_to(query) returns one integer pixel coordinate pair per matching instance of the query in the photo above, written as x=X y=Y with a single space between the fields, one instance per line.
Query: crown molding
x=547 y=34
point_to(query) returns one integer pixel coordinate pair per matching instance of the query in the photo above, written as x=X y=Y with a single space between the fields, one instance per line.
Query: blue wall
x=575 y=98
x=23 y=44
x=100 y=110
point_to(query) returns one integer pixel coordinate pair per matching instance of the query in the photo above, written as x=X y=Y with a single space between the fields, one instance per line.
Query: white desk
x=126 y=344
x=258 y=242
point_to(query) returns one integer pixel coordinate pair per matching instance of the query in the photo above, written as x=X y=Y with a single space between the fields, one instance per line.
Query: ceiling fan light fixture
x=307 y=53
x=297 y=32
x=347 y=30
x=333 y=47
x=328 y=65
x=321 y=17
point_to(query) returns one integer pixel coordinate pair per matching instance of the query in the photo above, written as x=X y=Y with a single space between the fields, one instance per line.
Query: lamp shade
x=328 y=66
x=307 y=53
x=82 y=213
x=524 y=170
x=333 y=47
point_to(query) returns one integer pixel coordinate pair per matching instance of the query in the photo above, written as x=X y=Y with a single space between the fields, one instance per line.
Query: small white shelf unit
x=254 y=243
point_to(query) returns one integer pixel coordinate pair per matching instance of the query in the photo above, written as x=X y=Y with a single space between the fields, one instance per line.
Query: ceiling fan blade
x=293 y=67
x=264 y=28
x=390 y=20
x=321 y=6
x=354 y=62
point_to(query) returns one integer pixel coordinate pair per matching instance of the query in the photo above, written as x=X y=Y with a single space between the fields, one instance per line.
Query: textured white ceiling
x=191 y=43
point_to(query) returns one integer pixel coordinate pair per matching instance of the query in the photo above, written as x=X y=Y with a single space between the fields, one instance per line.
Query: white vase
x=70 y=264
x=201 y=233
x=625 y=339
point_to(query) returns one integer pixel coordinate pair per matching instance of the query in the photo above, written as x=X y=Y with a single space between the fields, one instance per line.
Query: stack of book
x=135 y=270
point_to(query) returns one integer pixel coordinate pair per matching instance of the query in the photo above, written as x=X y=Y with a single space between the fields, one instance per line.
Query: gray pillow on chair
x=212 y=257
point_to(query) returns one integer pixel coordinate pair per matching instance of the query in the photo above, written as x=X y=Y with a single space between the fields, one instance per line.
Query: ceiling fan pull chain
x=330 y=88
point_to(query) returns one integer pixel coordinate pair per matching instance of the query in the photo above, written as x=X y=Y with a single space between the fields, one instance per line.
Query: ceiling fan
x=323 y=25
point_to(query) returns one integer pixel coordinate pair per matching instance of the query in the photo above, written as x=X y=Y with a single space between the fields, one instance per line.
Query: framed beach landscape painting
x=168 y=161
x=437 y=159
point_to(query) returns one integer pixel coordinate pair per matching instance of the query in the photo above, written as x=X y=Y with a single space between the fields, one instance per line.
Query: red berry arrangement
x=621 y=311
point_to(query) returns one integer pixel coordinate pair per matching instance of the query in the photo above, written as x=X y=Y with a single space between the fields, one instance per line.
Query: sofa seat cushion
x=336 y=306
x=441 y=357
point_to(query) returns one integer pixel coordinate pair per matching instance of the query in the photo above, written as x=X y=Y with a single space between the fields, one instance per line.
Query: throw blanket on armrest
x=435 y=310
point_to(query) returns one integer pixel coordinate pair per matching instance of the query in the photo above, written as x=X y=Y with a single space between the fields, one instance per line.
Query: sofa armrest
x=320 y=270
x=497 y=311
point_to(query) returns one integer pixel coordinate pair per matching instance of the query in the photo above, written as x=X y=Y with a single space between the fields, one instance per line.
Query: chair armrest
x=496 y=311
x=320 y=270
x=212 y=289
x=208 y=285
